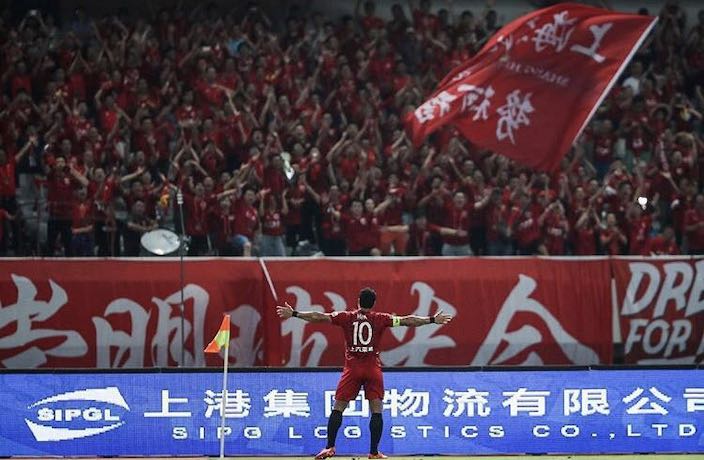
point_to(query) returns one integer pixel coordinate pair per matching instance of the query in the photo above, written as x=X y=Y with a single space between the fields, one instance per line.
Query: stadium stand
x=288 y=140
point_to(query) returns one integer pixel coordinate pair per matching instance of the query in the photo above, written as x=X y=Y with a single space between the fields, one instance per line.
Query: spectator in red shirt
x=555 y=229
x=694 y=227
x=664 y=244
x=586 y=230
x=60 y=197
x=82 y=221
x=8 y=165
x=419 y=237
x=639 y=227
x=272 y=239
x=391 y=218
x=333 y=242
x=197 y=209
x=359 y=231
x=455 y=231
x=612 y=238
x=523 y=223
x=222 y=227
x=246 y=222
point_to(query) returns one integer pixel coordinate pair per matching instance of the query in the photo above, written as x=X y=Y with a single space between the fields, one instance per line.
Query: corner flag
x=222 y=338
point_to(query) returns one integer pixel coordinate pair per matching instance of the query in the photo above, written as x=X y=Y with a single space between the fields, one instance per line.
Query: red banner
x=126 y=313
x=508 y=311
x=661 y=309
x=532 y=88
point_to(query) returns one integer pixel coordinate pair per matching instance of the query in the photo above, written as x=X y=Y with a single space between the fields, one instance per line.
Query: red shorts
x=356 y=375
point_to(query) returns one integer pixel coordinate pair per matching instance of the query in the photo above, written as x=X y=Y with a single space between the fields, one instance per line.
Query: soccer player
x=363 y=329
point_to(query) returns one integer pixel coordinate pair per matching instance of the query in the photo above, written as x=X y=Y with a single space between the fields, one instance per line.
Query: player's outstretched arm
x=286 y=311
x=415 y=321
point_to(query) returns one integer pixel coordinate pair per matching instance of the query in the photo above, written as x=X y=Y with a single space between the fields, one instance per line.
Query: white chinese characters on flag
x=533 y=87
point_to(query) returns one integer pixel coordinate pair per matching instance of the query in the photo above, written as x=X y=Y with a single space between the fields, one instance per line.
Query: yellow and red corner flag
x=221 y=338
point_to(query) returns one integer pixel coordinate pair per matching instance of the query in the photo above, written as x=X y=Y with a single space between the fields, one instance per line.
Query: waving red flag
x=531 y=90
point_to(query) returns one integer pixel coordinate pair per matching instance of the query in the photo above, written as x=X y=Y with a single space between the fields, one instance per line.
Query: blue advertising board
x=285 y=413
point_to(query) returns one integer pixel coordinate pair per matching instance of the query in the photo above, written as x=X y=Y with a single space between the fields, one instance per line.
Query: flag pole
x=224 y=398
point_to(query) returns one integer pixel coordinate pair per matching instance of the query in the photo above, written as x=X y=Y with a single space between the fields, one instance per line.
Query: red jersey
x=585 y=241
x=60 y=197
x=82 y=214
x=458 y=219
x=363 y=331
x=638 y=235
x=271 y=224
x=246 y=219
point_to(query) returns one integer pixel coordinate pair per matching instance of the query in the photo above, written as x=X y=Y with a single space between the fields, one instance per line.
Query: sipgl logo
x=77 y=414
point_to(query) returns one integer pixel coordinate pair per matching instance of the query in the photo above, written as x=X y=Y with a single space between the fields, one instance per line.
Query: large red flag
x=532 y=88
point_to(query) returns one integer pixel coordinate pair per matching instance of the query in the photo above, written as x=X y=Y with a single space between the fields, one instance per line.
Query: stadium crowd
x=288 y=140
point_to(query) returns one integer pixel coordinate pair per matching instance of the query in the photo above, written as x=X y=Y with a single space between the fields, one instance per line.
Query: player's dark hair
x=367 y=297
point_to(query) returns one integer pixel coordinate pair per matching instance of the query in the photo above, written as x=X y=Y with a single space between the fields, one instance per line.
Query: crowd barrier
x=278 y=412
x=126 y=313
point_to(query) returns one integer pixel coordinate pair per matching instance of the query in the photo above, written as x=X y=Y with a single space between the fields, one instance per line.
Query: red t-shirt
x=613 y=247
x=82 y=214
x=527 y=230
x=222 y=224
x=274 y=180
x=246 y=220
x=638 y=235
x=585 y=242
x=60 y=197
x=271 y=224
x=363 y=331
x=555 y=234
x=459 y=220
x=108 y=119
x=197 y=215
x=357 y=233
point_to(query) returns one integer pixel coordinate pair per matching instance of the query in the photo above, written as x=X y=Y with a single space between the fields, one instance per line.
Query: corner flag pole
x=220 y=342
x=224 y=399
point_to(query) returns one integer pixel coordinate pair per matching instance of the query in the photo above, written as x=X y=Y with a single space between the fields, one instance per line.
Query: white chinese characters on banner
x=423 y=339
x=531 y=402
x=471 y=95
x=639 y=407
x=358 y=407
x=592 y=51
x=426 y=112
x=20 y=318
x=585 y=401
x=470 y=402
x=238 y=404
x=317 y=342
x=409 y=403
x=520 y=337
x=513 y=114
x=555 y=34
x=695 y=399
x=165 y=411
x=130 y=347
x=286 y=403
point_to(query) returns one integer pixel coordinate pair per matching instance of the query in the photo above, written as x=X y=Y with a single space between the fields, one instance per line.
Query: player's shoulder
x=341 y=315
x=379 y=316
